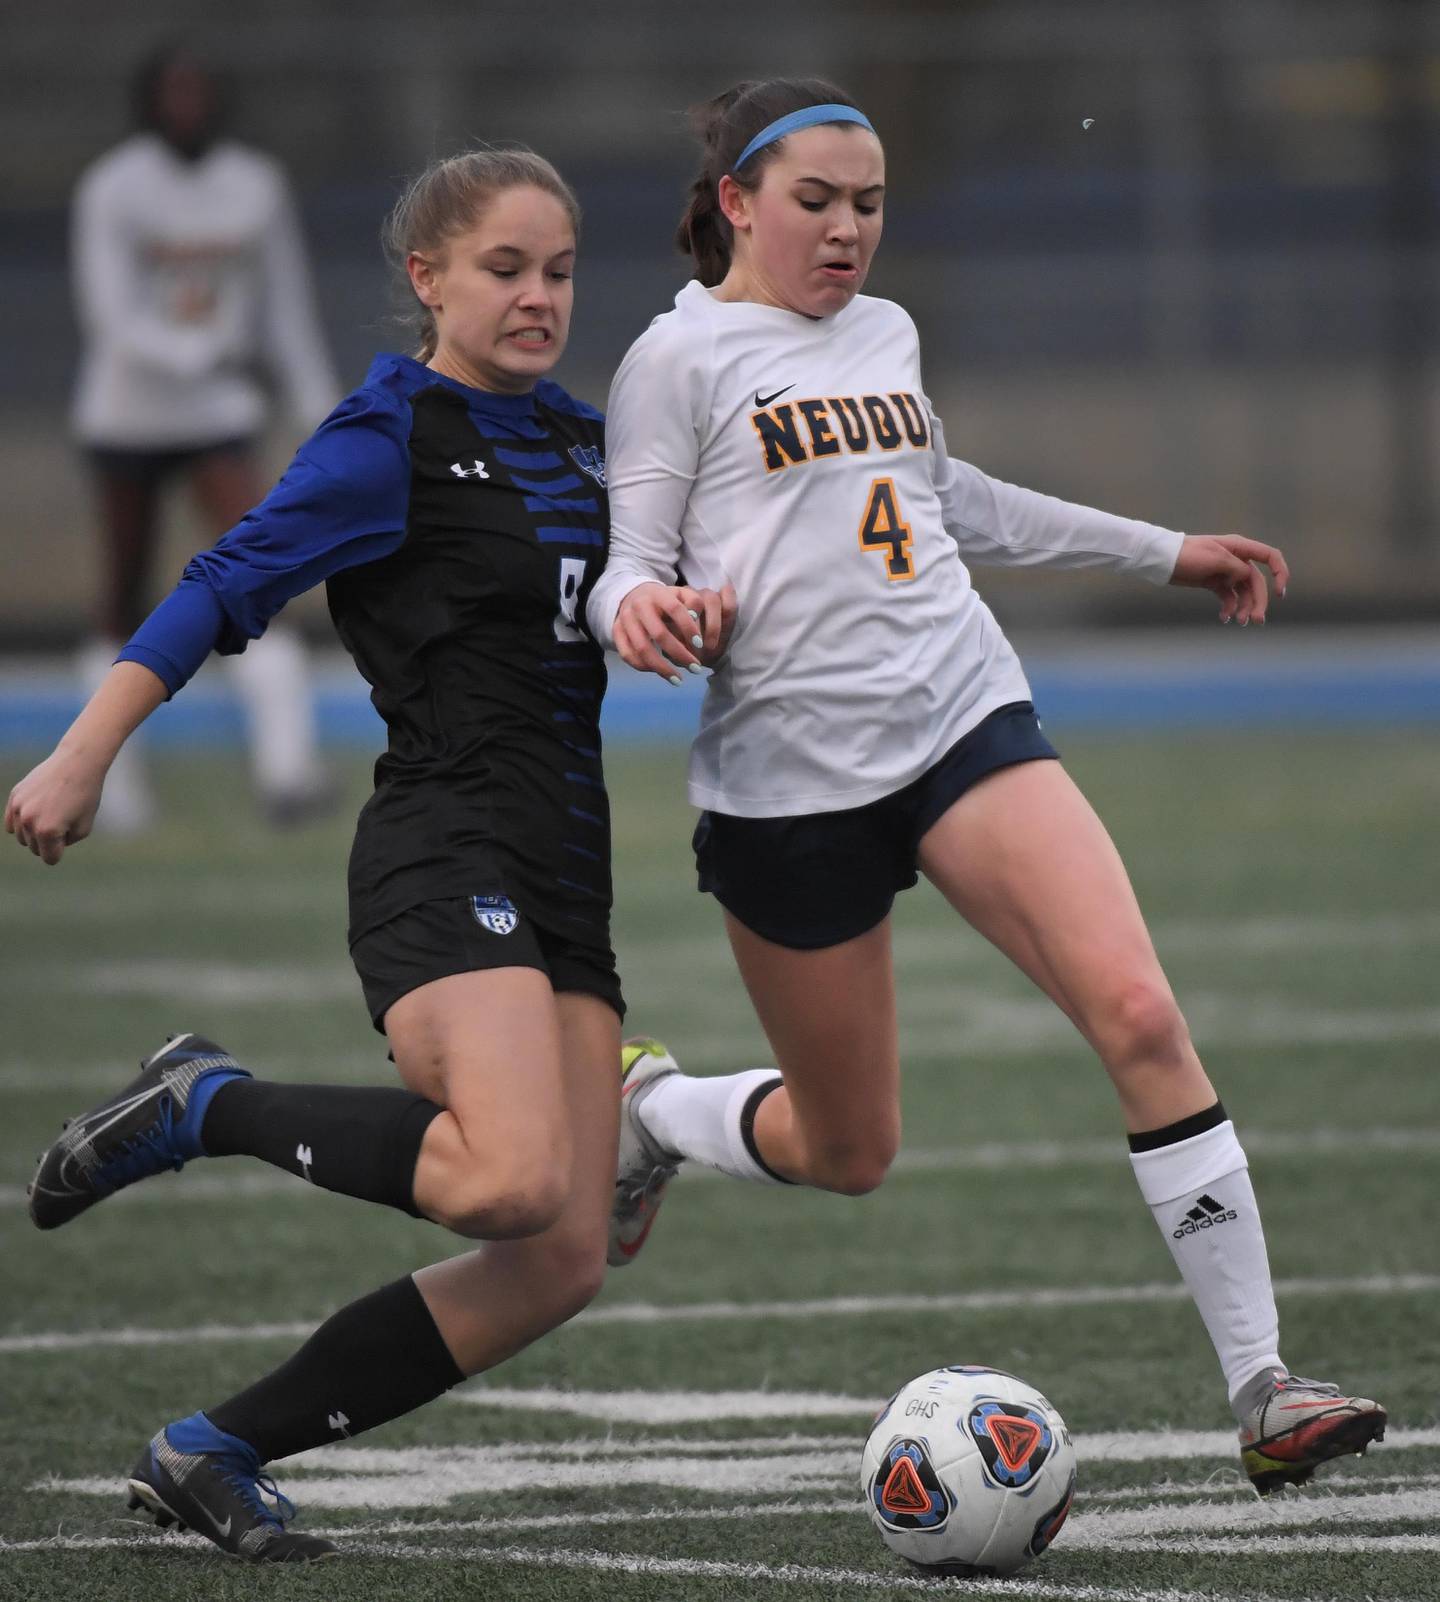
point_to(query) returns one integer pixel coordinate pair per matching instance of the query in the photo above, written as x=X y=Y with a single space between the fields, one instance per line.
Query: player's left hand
x=1232 y=567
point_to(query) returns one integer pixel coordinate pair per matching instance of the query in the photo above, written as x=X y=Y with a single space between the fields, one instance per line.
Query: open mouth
x=842 y=272
x=531 y=338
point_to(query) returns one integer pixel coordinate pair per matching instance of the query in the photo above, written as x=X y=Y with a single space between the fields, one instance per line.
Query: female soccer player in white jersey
x=771 y=436
x=191 y=288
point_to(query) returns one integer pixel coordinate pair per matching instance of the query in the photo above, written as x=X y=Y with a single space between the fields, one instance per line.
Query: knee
x=852 y=1167
x=1144 y=1027
x=502 y=1206
x=575 y=1266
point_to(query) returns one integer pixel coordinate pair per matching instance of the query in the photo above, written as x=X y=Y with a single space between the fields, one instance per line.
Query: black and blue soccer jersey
x=459 y=534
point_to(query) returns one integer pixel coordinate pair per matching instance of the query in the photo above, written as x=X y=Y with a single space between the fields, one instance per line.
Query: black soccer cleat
x=195 y=1476
x=153 y=1124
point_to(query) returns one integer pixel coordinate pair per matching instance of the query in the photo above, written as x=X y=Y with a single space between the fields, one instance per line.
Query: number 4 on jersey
x=883 y=529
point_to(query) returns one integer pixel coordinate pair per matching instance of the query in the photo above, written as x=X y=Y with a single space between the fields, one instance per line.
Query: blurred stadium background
x=1216 y=309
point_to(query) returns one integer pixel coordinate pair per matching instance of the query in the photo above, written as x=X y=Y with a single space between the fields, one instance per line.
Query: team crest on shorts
x=498 y=914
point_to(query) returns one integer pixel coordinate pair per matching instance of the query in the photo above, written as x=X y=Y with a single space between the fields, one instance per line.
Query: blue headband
x=807 y=118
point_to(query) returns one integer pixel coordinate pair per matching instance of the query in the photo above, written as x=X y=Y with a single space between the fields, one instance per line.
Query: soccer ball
x=967 y=1471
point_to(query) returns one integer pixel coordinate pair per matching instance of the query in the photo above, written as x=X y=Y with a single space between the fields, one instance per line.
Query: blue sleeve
x=342 y=502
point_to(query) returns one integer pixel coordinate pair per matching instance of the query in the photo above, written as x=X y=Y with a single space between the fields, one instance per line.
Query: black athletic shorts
x=824 y=878
x=154 y=464
x=466 y=933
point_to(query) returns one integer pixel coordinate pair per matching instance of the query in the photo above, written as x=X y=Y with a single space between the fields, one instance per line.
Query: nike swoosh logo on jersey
x=762 y=401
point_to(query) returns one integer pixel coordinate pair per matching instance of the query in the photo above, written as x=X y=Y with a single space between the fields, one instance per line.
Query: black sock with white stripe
x=360 y=1140
x=375 y=1360
x=1195 y=1179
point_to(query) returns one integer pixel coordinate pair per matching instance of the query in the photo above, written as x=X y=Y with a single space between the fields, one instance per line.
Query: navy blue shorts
x=824 y=878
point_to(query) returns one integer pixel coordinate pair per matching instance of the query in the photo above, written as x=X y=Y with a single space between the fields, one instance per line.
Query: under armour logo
x=460 y=470
x=304 y=1156
x=340 y=1424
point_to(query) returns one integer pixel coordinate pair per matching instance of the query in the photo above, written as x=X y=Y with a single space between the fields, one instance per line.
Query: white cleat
x=644 y=1168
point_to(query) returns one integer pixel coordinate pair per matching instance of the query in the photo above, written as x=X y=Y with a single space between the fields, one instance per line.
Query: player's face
x=502 y=293
x=186 y=105
x=807 y=234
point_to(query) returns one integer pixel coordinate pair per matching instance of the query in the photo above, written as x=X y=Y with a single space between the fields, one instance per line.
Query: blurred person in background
x=194 y=302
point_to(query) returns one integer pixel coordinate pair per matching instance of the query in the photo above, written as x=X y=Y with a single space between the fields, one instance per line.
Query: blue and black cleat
x=195 y=1476
x=152 y=1125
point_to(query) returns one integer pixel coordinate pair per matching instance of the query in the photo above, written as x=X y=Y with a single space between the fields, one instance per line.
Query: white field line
x=205 y=1183
x=361 y=1067
x=668 y=1407
x=945 y=1018
x=1131 y=1446
x=689 y=1568
x=852 y=1506
x=378 y=1478
x=1149 y=1529
x=713 y=1312
x=1047 y=1591
x=802 y=1574
x=146 y=899
x=1097 y=1530
x=983 y=1301
x=1397 y=1545
x=1234 y=1484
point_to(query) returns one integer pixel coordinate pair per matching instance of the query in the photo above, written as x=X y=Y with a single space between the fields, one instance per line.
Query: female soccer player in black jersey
x=455 y=506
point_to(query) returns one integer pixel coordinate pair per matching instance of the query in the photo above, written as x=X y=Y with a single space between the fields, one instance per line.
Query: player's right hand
x=662 y=627
x=54 y=805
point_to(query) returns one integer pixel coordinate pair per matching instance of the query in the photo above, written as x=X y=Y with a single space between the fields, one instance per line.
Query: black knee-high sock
x=359 y=1140
x=372 y=1361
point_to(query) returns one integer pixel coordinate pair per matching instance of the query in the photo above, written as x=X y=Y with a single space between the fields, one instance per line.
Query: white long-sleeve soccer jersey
x=800 y=461
x=192 y=289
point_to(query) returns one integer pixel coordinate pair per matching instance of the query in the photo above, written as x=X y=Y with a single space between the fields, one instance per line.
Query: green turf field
x=697 y=1434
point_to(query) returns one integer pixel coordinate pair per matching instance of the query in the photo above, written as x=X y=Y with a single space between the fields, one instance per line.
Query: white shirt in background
x=751 y=445
x=193 y=293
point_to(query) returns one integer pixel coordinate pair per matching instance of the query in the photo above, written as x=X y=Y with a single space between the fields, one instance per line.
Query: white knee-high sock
x=1198 y=1190
x=272 y=681
x=127 y=805
x=708 y=1120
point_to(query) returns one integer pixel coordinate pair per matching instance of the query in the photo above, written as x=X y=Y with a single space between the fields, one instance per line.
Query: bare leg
x=830 y=1019
x=487 y=1047
x=1023 y=858
x=490 y=1303
x=128 y=508
x=554 y=1158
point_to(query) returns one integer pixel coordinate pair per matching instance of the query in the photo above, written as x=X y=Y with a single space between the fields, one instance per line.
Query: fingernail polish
x=694 y=667
x=676 y=679
x=696 y=641
x=695 y=615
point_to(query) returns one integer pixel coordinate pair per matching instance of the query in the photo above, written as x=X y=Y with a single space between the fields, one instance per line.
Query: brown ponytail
x=449 y=198
x=724 y=126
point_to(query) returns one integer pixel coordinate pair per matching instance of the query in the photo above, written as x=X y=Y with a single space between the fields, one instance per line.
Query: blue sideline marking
x=35 y=708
